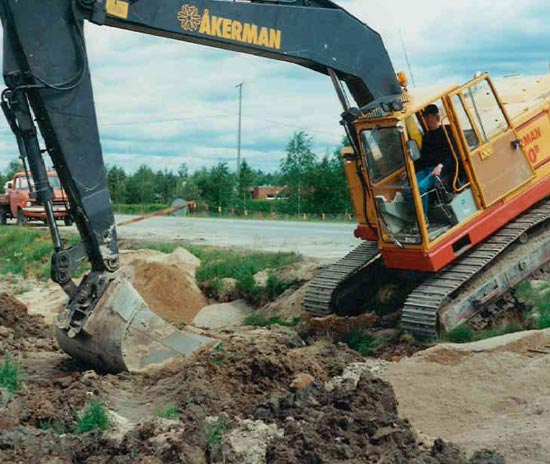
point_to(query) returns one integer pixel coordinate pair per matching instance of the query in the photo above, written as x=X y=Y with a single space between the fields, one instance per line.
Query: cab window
x=384 y=150
x=465 y=123
x=484 y=108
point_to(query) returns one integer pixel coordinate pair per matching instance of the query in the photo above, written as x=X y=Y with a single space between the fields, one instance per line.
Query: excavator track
x=426 y=304
x=320 y=295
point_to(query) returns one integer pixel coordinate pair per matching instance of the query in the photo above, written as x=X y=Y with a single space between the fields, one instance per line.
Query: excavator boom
x=48 y=83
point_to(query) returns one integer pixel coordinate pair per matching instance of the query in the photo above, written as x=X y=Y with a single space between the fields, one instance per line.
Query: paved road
x=327 y=241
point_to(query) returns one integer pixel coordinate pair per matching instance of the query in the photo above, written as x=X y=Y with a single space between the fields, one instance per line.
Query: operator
x=437 y=158
x=435 y=145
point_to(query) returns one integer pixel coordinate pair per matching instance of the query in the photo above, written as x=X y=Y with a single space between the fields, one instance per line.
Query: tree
x=14 y=167
x=268 y=178
x=217 y=185
x=116 y=180
x=166 y=186
x=247 y=179
x=295 y=167
x=140 y=187
x=330 y=193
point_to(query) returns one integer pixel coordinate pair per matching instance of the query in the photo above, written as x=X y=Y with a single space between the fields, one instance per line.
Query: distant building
x=267 y=193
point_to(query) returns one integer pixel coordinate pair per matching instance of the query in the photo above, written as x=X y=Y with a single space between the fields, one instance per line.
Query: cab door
x=496 y=159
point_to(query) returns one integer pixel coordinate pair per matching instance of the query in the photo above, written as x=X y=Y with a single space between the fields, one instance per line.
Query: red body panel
x=476 y=231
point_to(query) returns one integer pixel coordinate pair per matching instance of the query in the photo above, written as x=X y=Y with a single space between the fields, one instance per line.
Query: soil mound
x=168 y=291
x=493 y=393
x=17 y=322
x=241 y=404
x=166 y=283
x=260 y=397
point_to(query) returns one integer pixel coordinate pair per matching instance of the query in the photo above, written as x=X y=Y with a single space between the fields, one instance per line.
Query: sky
x=164 y=103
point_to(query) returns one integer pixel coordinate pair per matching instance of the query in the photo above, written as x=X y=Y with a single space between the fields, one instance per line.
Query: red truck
x=18 y=203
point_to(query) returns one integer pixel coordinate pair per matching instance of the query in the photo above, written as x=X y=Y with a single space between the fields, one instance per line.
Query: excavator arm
x=49 y=92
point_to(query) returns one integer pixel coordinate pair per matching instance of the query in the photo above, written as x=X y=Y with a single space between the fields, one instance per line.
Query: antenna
x=407 y=57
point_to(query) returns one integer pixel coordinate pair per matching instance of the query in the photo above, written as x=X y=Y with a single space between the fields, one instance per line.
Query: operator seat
x=398 y=214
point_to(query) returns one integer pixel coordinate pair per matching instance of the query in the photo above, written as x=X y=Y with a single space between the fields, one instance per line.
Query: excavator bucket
x=123 y=334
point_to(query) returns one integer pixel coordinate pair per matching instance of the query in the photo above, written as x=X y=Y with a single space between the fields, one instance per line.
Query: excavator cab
x=408 y=197
x=417 y=210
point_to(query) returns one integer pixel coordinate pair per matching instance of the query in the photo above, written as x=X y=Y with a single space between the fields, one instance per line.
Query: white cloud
x=164 y=102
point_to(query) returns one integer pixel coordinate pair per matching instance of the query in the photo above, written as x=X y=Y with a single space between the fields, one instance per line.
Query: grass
x=219 y=263
x=156 y=246
x=10 y=376
x=499 y=331
x=169 y=412
x=539 y=300
x=260 y=320
x=93 y=417
x=365 y=343
x=464 y=334
x=27 y=252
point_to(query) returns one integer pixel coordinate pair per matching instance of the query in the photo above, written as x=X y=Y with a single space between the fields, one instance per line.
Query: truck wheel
x=3 y=218
x=21 y=218
x=68 y=220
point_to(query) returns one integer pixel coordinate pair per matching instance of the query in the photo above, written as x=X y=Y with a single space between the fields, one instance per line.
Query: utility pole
x=240 y=86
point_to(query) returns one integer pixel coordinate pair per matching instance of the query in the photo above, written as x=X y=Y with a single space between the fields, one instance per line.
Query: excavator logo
x=191 y=20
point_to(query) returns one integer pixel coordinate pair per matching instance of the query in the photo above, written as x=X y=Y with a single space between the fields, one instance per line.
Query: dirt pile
x=493 y=393
x=18 y=329
x=166 y=283
x=261 y=397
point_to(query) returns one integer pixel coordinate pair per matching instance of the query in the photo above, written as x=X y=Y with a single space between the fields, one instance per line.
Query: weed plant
x=169 y=412
x=10 y=375
x=93 y=417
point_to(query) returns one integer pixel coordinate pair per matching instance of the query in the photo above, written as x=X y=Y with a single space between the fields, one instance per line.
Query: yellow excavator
x=441 y=250
x=440 y=239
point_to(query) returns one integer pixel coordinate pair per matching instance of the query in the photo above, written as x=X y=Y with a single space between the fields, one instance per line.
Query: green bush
x=460 y=334
x=539 y=300
x=10 y=376
x=93 y=417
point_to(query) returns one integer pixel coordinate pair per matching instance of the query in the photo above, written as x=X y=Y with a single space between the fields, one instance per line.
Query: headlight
x=28 y=204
